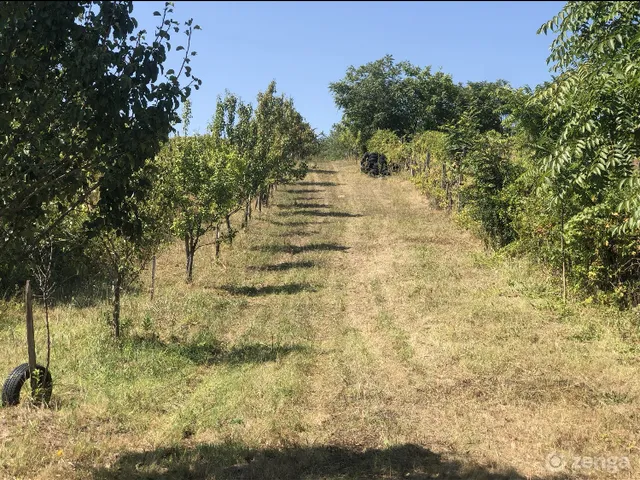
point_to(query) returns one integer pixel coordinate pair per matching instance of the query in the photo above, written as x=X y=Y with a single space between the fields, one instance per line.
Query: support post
x=153 y=276
x=31 y=344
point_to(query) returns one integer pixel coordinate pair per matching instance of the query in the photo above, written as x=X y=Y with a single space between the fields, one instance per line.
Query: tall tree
x=403 y=98
x=83 y=109
x=596 y=57
x=491 y=102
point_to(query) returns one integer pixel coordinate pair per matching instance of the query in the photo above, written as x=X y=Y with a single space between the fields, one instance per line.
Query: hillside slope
x=351 y=331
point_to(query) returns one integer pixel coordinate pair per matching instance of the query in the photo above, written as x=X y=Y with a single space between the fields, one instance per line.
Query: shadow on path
x=307 y=198
x=279 y=267
x=318 y=213
x=305 y=205
x=288 y=288
x=295 y=249
x=236 y=461
x=299 y=233
x=318 y=184
x=207 y=351
x=295 y=224
x=305 y=190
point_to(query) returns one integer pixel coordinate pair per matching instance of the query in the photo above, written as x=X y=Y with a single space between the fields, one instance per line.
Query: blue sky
x=306 y=45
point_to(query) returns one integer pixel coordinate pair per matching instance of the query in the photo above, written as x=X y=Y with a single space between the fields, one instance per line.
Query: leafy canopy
x=85 y=103
x=596 y=55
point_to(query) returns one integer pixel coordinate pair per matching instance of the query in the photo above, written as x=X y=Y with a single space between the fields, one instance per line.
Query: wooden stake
x=217 y=241
x=153 y=276
x=31 y=344
x=564 y=269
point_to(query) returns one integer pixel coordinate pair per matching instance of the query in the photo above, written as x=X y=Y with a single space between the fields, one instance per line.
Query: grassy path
x=351 y=332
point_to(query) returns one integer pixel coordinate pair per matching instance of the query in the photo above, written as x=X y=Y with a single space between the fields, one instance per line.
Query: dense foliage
x=406 y=99
x=243 y=156
x=551 y=172
x=91 y=180
x=84 y=107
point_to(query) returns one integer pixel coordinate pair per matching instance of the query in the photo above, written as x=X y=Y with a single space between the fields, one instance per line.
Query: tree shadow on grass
x=214 y=353
x=323 y=172
x=304 y=190
x=319 y=184
x=280 y=267
x=296 y=224
x=299 y=233
x=236 y=461
x=306 y=199
x=288 y=288
x=319 y=213
x=305 y=205
x=295 y=249
x=208 y=351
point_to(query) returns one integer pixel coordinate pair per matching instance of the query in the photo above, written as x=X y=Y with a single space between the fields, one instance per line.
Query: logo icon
x=555 y=462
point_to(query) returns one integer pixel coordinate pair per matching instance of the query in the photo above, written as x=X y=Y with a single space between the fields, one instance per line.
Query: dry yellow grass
x=351 y=332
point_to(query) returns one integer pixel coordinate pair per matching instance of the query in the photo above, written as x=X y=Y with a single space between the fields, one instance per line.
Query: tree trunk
x=189 y=248
x=459 y=188
x=117 y=287
x=190 y=266
x=229 y=230
x=217 y=241
x=186 y=252
x=259 y=202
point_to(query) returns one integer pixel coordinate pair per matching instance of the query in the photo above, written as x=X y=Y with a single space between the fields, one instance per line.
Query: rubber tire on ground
x=17 y=378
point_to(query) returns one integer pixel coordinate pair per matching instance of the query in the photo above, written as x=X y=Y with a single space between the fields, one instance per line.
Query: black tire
x=15 y=381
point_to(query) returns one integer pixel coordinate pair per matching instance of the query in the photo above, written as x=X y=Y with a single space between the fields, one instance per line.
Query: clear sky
x=306 y=45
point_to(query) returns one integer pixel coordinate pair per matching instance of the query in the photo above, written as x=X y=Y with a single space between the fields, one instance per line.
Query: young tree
x=233 y=123
x=199 y=175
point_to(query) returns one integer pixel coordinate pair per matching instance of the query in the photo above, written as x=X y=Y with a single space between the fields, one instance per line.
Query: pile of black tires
x=374 y=164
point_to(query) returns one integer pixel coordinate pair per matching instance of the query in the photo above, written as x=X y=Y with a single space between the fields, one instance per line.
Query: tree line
x=95 y=175
x=550 y=172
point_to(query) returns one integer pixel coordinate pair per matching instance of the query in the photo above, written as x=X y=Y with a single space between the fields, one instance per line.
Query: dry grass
x=351 y=332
